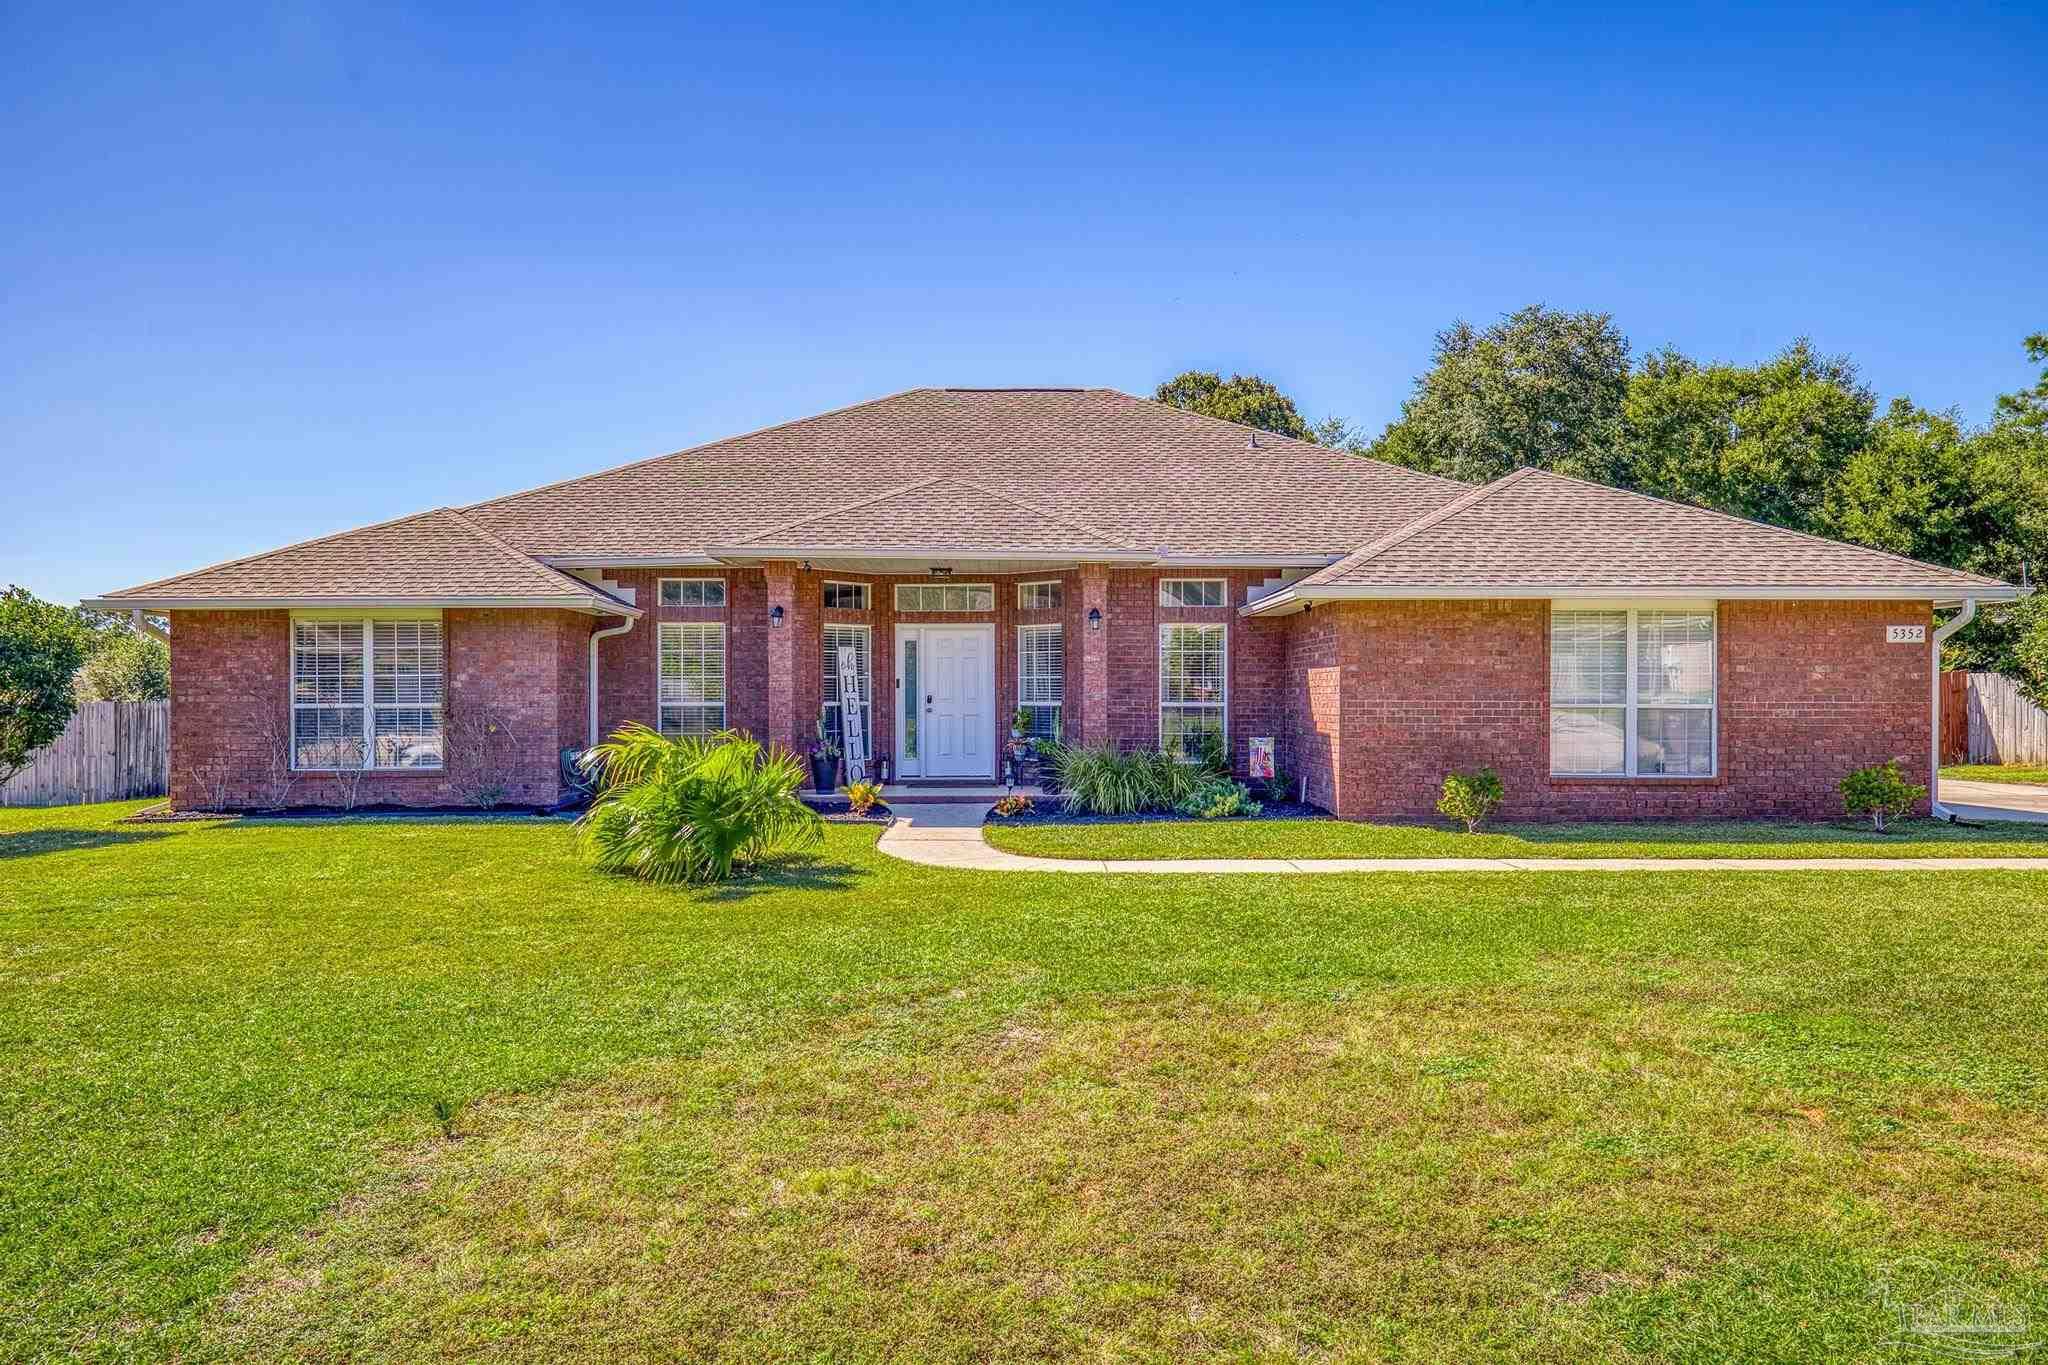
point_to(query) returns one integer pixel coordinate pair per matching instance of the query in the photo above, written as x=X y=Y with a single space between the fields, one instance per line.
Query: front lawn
x=1318 y=838
x=860 y=1108
x=2032 y=774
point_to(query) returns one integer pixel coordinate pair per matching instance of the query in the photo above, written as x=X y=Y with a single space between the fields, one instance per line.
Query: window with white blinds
x=1632 y=693
x=367 y=694
x=1193 y=668
x=1041 y=678
x=859 y=639
x=691 y=677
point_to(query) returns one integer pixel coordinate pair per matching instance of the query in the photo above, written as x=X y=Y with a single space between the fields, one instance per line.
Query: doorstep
x=920 y=794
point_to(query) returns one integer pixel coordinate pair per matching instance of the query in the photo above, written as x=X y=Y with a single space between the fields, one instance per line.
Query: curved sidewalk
x=950 y=836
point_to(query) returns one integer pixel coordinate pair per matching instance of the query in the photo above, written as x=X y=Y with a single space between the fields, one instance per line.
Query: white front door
x=949 y=675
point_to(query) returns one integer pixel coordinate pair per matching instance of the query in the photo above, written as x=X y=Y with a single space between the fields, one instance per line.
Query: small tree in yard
x=41 y=646
x=1881 y=792
x=1471 y=797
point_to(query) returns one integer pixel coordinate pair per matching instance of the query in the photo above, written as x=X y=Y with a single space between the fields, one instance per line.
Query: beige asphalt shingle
x=430 y=556
x=1538 y=529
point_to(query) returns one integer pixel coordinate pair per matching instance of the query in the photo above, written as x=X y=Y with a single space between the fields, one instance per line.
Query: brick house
x=1125 y=572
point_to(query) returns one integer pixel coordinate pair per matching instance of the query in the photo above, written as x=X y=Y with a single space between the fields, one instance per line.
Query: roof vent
x=1252 y=441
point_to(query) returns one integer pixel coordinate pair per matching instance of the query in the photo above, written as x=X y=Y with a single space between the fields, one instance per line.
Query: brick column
x=785 y=725
x=1094 y=709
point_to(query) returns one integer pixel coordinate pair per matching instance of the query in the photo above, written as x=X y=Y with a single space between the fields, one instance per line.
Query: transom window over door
x=367 y=694
x=1632 y=692
x=1193 y=666
x=921 y=597
x=692 y=678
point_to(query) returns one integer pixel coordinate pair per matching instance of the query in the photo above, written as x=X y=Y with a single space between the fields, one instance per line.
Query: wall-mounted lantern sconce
x=1095 y=618
x=775 y=616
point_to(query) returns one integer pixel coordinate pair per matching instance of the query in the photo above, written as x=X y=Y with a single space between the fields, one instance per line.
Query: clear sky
x=273 y=270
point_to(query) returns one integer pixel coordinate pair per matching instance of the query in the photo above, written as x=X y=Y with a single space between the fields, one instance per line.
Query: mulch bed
x=1047 y=810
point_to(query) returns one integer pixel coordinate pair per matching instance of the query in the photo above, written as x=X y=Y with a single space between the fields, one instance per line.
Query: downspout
x=142 y=626
x=1941 y=633
x=595 y=636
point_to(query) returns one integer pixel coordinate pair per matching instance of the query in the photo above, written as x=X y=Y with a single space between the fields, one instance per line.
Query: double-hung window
x=367 y=694
x=693 y=592
x=1632 y=692
x=1041 y=678
x=1193 y=664
x=856 y=638
x=691 y=677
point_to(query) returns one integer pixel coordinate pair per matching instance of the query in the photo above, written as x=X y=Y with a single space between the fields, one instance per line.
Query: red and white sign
x=1261 y=766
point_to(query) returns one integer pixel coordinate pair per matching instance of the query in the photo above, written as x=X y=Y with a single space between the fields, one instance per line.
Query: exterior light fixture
x=775 y=616
x=1095 y=618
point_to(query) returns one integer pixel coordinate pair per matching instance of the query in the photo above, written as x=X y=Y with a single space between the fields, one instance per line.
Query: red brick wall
x=627 y=670
x=1808 y=692
x=230 y=674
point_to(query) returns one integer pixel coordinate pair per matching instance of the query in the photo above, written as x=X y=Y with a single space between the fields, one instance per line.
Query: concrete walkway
x=950 y=836
x=1995 y=800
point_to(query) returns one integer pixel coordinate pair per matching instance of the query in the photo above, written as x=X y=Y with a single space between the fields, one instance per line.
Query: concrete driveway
x=1995 y=800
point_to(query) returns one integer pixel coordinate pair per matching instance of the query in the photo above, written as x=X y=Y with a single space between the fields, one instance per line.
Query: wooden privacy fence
x=111 y=750
x=2004 y=727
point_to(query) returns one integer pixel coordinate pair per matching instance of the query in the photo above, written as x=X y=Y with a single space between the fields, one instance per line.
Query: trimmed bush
x=1881 y=792
x=1471 y=797
x=1218 y=799
x=692 y=809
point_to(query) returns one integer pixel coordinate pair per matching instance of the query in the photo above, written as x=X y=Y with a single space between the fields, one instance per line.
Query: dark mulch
x=1047 y=810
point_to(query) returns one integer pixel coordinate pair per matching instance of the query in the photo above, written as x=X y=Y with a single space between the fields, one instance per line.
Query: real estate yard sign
x=853 y=736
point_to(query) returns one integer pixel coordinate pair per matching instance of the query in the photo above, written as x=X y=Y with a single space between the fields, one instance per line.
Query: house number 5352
x=1905 y=635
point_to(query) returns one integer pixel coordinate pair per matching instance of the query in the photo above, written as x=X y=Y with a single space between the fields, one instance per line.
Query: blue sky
x=269 y=271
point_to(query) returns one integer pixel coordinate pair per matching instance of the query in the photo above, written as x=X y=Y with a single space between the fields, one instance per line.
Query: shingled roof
x=439 y=558
x=1538 y=534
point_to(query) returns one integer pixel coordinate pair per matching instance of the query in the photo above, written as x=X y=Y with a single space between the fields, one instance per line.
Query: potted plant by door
x=824 y=763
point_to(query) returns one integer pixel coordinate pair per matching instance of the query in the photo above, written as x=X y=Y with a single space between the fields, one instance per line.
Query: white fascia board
x=589 y=606
x=692 y=559
x=735 y=553
x=1294 y=598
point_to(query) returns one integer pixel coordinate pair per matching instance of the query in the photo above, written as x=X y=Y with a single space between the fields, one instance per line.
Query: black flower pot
x=824 y=774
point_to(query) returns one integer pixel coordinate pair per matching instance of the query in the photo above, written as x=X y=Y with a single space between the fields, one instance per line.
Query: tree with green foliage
x=41 y=646
x=124 y=666
x=1761 y=441
x=1243 y=398
x=1540 y=387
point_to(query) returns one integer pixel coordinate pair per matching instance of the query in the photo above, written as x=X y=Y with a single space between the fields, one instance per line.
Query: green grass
x=2033 y=774
x=1345 y=839
x=864 y=1109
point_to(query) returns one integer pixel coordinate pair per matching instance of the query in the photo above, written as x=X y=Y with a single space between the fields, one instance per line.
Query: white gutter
x=1941 y=633
x=595 y=636
x=142 y=626
x=1297 y=597
x=588 y=606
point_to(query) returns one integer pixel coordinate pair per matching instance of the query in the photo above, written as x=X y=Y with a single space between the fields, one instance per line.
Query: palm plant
x=692 y=809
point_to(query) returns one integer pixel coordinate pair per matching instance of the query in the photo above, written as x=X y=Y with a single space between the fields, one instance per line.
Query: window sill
x=369 y=772
x=1638 y=780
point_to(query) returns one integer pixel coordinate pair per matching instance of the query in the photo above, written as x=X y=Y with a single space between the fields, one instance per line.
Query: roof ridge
x=855 y=505
x=1037 y=510
x=1295 y=440
x=281 y=549
x=1366 y=553
x=1764 y=525
x=692 y=450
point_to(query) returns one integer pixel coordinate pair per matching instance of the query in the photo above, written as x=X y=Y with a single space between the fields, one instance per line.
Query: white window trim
x=868 y=717
x=896 y=597
x=1042 y=583
x=1060 y=706
x=1222 y=594
x=368 y=705
x=725 y=679
x=1159 y=663
x=867 y=593
x=1631 y=705
x=661 y=591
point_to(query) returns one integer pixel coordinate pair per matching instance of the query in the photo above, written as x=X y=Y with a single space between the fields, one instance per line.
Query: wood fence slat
x=2004 y=726
x=110 y=751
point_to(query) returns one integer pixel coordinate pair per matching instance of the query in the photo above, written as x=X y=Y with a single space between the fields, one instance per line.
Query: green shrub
x=1471 y=797
x=1218 y=799
x=1879 y=791
x=692 y=809
x=1212 y=755
x=1099 y=780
